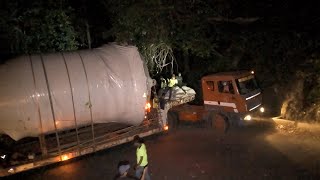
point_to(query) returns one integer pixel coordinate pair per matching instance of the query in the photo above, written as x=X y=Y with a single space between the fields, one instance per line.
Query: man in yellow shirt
x=172 y=82
x=142 y=159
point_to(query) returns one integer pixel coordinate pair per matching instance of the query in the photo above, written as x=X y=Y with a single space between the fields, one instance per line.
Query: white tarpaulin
x=107 y=84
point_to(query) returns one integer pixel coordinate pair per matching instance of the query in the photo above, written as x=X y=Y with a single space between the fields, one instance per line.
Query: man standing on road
x=142 y=159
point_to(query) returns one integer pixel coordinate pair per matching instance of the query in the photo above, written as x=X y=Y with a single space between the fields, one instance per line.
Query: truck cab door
x=227 y=96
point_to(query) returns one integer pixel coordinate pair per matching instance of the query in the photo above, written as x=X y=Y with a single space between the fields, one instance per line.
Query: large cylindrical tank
x=46 y=92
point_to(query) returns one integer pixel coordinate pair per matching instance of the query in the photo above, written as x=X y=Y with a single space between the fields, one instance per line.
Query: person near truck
x=172 y=82
x=179 y=80
x=226 y=88
x=163 y=83
x=123 y=171
x=163 y=86
x=142 y=159
x=162 y=101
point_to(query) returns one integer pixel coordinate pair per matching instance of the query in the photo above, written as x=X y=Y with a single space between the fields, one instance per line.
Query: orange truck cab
x=232 y=96
x=232 y=92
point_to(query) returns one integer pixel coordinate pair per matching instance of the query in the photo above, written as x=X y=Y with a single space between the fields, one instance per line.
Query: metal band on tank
x=72 y=99
x=89 y=96
x=35 y=91
x=42 y=141
x=51 y=106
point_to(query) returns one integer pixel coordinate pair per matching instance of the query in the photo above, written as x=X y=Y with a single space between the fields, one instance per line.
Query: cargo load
x=43 y=93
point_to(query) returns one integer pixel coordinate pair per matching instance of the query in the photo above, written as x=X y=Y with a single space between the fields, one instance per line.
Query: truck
x=229 y=100
x=59 y=106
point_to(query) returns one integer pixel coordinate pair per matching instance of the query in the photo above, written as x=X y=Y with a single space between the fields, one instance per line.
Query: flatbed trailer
x=69 y=144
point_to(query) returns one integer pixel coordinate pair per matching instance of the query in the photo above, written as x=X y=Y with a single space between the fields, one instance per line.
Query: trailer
x=59 y=106
x=65 y=145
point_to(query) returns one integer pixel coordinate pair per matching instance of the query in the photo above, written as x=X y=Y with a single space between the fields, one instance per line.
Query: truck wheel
x=173 y=120
x=219 y=122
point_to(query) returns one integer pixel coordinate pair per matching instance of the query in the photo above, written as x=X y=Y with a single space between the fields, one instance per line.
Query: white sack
x=178 y=93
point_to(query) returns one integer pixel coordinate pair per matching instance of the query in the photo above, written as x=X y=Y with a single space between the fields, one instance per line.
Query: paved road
x=259 y=151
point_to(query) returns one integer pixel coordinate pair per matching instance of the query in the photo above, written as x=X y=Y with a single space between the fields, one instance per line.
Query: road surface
x=262 y=150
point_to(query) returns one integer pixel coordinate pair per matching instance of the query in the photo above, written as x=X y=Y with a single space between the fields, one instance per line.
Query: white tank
x=44 y=92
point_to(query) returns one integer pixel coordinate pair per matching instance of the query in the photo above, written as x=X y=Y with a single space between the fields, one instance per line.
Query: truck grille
x=254 y=102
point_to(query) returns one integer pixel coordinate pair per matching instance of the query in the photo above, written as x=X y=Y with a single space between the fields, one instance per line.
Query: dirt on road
x=265 y=149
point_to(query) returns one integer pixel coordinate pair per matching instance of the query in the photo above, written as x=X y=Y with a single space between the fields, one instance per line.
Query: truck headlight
x=247 y=118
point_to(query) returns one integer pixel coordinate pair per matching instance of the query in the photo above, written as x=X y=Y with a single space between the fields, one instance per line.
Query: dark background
x=278 y=39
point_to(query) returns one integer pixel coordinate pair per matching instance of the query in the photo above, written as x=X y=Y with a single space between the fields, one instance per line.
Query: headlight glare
x=247 y=118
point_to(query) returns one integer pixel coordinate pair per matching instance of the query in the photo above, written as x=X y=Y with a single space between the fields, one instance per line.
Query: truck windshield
x=247 y=84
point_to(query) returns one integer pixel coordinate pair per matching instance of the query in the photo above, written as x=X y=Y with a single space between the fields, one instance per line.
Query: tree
x=146 y=25
x=37 y=27
x=154 y=24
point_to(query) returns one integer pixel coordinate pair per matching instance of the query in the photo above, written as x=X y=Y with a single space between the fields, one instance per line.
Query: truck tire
x=219 y=122
x=173 y=120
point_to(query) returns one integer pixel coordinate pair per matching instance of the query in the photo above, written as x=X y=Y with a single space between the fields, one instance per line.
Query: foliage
x=312 y=80
x=201 y=36
x=179 y=25
x=190 y=28
x=290 y=57
x=38 y=28
x=140 y=23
